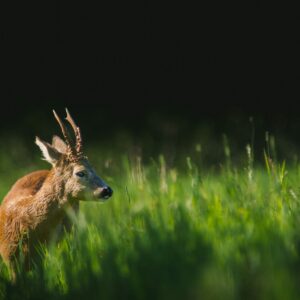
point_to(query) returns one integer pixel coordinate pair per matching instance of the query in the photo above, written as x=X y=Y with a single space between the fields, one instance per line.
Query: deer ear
x=50 y=154
x=59 y=144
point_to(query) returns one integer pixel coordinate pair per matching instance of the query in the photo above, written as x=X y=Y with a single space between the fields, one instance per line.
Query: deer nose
x=106 y=192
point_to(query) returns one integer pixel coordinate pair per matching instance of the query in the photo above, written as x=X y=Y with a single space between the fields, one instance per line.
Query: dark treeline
x=111 y=116
x=177 y=122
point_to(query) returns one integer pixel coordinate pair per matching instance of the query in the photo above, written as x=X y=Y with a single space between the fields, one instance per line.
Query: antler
x=73 y=153
x=77 y=133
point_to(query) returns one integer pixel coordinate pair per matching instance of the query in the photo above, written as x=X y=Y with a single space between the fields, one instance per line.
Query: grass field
x=172 y=231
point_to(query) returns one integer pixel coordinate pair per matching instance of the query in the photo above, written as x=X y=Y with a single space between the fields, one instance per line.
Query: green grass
x=173 y=232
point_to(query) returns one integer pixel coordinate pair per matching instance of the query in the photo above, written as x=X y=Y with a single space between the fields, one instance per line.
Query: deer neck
x=53 y=191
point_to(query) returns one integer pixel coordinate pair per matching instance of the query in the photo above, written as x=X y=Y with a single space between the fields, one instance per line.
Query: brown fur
x=31 y=212
x=35 y=209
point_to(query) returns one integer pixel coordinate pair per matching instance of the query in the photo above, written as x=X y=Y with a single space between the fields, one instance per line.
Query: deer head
x=70 y=167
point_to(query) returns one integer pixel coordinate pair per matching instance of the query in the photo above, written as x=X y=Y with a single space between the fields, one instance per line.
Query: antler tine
x=65 y=134
x=77 y=133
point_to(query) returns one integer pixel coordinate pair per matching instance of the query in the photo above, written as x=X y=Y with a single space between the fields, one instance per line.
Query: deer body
x=36 y=207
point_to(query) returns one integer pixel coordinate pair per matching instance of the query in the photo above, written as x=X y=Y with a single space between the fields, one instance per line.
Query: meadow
x=172 y=230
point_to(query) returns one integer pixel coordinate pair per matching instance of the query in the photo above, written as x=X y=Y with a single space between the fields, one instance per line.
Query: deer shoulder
x=27 y=185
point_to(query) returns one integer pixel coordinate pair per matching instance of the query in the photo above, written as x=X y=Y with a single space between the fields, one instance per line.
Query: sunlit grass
x=173 y=232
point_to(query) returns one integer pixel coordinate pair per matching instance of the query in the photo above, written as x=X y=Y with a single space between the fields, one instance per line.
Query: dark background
x=136 y=66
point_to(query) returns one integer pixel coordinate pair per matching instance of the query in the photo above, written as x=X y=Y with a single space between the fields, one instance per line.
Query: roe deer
x=36 y=206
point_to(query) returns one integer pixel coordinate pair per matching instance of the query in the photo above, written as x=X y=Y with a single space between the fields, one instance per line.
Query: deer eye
x=80 y=174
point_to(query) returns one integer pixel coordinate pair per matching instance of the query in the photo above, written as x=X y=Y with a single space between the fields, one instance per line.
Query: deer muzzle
x=103 y=192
